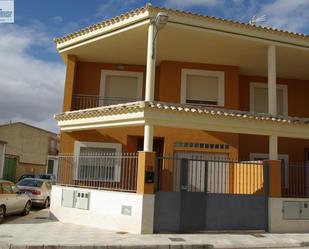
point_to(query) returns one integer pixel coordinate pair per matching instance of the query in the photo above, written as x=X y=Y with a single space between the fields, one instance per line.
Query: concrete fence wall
x=280 y=224
x=111 y=210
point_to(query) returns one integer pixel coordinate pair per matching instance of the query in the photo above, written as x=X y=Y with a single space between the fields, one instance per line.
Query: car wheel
x=46 y=203
x=2 y=213
x=27 y=208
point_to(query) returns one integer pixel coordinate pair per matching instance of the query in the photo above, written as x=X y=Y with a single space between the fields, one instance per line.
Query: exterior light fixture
x=159 y=22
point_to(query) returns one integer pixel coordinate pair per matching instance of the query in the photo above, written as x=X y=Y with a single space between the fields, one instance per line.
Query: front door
x=9 y=171
x=50 y=166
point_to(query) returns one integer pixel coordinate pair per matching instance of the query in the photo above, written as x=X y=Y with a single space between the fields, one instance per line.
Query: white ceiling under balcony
x=184 y=43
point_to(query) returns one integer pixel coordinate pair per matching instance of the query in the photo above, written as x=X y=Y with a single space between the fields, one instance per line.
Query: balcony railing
x=81 y=101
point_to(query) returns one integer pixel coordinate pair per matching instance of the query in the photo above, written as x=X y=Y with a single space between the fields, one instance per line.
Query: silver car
x=12 y=200
x=38 y=190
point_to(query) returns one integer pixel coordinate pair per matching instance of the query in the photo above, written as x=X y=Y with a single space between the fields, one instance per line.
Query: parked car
x=50 y=177
x=12 y=200
x=38 y=190
x=27 y=176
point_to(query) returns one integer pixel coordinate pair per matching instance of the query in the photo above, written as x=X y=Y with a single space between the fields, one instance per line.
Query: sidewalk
x=37 y=231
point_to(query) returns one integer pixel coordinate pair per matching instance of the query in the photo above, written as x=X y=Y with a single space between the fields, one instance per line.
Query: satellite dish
x=257 y=19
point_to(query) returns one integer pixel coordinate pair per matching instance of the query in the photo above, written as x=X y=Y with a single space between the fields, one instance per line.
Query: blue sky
x=32 y=73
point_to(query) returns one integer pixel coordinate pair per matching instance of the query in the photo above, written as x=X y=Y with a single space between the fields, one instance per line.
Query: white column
x=150 y=84
x=273 y=147
x=148 y=137
x=272 y=75
x=151 y=64
x=272 y=98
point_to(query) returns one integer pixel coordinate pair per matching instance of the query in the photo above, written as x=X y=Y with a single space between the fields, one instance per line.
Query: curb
x=176 y=246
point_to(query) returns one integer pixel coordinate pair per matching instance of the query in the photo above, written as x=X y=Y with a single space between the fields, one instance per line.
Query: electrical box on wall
x=304 y=210
x=295 y=210
x=67 y=198
x=82 y=199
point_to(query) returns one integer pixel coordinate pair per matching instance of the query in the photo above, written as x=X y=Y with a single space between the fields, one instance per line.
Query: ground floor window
x=97 y=161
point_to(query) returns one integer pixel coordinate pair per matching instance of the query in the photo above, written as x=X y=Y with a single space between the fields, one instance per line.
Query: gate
x=195 y=194
x=9 y=170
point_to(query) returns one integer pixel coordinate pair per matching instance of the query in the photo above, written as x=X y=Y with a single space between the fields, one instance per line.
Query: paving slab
x=37 y=231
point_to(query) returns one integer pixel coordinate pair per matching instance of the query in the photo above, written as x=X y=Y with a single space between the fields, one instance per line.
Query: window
x=120 y=86
x=97 y=161
x=202 y=87
x=259 y=98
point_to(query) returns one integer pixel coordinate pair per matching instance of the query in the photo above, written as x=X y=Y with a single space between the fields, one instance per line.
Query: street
x=37 y=229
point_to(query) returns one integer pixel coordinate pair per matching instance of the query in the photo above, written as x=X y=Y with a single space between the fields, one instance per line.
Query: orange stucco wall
x=127 y=137
x=167 y=89
x=297 y=97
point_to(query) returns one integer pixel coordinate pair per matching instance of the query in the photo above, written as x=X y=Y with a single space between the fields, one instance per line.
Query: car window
x=30 y=183
x=7 y=188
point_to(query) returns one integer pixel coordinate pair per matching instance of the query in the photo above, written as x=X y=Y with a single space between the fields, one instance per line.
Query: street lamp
x=159 y=22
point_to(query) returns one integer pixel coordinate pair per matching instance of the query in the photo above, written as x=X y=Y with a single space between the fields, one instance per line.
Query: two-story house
x=200 y=92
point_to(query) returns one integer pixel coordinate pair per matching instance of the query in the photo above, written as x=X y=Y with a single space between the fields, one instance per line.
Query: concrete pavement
x=38 y=231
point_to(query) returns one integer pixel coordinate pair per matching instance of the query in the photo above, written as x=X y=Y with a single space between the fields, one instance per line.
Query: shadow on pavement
x=36 y=216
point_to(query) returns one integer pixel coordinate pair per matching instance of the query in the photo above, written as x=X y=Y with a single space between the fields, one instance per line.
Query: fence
x=296 y=180
x=209 y=175
x=80 y=102
x=100 y=171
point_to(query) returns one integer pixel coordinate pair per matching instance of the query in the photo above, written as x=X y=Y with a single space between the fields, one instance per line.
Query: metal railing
x=82 y=101
x=101 y=171
x=296 y=182
x=218 y=176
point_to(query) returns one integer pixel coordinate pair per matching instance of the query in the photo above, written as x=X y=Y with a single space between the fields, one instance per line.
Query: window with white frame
x=120 y=86
x=284 y=165
x=202 y=87
x=97 y=161
x=259 y=98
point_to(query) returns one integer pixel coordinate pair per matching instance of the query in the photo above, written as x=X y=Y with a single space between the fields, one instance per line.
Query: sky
x=32 y=72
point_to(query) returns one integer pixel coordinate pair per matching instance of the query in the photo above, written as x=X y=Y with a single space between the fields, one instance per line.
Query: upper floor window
x=259 y=98
x=202 y=87
x=120 y=86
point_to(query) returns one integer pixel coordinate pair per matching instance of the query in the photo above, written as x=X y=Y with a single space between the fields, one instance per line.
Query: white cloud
x=31 y=89
x=287 y=14
x=58 y=19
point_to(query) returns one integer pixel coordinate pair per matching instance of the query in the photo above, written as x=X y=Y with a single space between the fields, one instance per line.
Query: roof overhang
x=183 y=116
x=189 y=37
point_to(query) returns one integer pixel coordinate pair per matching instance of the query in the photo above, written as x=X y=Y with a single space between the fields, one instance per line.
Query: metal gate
x=9 y=170
x=197 y=195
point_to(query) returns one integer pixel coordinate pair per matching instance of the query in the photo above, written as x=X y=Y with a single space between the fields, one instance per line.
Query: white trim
x=116 y=146
x=254 y=85
x=188 y=120
x=221 y=83
x=139 y=75
x=284 y=157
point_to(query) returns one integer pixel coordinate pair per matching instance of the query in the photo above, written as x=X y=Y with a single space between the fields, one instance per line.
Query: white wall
x=276 y=222
x=105 y=210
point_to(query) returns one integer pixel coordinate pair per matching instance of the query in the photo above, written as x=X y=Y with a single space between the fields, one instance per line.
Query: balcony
x=82 y=101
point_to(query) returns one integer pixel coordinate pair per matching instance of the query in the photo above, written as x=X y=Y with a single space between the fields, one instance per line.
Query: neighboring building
x=26 y=149
x=206 y=91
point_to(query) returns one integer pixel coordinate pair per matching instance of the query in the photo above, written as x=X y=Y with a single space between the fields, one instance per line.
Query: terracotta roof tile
x=162 y=106
x=149 y=7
